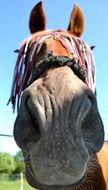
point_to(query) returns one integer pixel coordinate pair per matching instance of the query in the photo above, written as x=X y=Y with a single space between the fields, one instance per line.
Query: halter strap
x=30 y=48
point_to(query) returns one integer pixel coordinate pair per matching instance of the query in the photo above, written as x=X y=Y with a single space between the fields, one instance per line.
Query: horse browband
x=27 y=70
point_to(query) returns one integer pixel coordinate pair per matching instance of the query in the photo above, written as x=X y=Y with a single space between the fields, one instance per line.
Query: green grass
x=14 y=185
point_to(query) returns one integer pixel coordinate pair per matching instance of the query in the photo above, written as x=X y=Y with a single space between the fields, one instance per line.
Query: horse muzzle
x=58 y=127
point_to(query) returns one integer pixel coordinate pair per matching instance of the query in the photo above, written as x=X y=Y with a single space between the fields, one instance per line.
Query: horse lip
x=54 y=183
x=53 y=187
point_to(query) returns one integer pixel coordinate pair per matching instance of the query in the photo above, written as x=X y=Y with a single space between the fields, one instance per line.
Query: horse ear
x=76 y=25
x=37 y=20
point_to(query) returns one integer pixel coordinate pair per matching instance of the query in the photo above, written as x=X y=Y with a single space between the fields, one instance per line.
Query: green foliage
x=11 y=164
x=19 y=163
x=14 y=185
x=7 y=163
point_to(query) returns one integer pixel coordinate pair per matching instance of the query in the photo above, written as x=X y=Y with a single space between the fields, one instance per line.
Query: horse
x=58 y=126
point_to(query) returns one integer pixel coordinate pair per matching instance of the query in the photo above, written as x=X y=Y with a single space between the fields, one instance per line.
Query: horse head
x=58 y=126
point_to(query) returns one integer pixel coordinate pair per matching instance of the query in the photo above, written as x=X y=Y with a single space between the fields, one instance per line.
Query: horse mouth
x=61 y=175
x=32 y=180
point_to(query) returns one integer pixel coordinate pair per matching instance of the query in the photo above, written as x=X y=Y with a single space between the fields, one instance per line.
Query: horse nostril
x=92 y=124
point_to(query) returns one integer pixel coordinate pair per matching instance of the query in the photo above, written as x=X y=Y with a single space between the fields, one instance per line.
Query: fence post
x=22 y=181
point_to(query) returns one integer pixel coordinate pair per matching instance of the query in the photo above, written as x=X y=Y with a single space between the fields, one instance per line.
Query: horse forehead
x=47 y=32
x=54 y=45
x=52 y=38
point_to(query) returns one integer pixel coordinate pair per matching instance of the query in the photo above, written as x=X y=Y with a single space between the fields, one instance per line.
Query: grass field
x=13 y=185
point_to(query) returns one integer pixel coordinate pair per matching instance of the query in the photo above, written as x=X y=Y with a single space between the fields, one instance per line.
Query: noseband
x=27 y=70
x=51 y=61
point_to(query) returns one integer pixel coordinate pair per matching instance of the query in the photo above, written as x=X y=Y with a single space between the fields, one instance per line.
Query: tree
x=19 y=162
x=7 y=163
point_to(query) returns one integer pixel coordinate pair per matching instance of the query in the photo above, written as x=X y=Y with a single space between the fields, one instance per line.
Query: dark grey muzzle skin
x=58 y=129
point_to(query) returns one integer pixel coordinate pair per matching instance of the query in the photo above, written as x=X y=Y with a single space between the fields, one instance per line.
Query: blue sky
x=14 y=28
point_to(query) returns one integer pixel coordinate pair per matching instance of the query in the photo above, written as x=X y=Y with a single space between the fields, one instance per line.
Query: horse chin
x=32 y=180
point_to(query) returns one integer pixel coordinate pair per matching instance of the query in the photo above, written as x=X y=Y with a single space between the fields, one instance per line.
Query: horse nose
x=75 y=116
x=59 y=106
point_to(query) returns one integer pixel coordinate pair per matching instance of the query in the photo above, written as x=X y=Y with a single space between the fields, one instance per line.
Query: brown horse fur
x=96 y=177
x=97 y=174
x=102 y=158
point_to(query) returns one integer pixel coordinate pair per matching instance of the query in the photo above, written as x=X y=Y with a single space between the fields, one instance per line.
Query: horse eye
x=92 y=47
x=16 y=51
